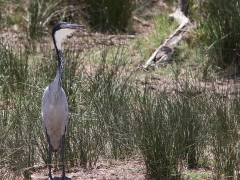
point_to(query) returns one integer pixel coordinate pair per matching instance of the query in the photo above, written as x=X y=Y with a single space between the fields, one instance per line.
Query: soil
x=131 y=169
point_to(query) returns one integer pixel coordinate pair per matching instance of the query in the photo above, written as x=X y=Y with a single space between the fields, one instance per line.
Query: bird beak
x=75 y=26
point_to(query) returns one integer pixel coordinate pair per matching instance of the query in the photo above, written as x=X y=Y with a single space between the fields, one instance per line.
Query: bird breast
x=54 y=115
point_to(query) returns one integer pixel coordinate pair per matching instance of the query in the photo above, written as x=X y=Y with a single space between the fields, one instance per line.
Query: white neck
x=60 y=35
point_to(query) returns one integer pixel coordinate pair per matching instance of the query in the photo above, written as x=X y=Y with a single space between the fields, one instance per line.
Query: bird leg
x=63 y=164
x=50 y=162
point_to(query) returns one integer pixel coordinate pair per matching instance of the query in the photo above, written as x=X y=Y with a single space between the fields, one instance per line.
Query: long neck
x=56 y=85
x=61 y=60
x=60 y=70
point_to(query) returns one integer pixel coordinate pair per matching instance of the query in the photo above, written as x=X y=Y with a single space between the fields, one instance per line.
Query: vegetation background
x=179 y=118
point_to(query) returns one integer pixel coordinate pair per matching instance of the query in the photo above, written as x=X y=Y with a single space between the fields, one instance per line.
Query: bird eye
x=62 y=26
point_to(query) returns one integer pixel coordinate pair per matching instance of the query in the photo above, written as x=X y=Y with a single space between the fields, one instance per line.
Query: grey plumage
x=54 y=109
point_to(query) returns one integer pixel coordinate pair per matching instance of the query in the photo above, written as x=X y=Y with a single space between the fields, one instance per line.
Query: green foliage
x=14 y=69
x=111 y=114
x=109 y=94
x=156 y=136
x=224 y=124
x=170 y=130
x=221 y=34
x=197 y=175
x=40 y=13
x=19 y=104
x=148 y=44
x=110 y=15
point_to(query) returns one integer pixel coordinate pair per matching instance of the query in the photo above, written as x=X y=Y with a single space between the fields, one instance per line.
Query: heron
x=54 y=109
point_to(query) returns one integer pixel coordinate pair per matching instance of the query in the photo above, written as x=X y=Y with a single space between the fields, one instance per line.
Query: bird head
x=62 y=30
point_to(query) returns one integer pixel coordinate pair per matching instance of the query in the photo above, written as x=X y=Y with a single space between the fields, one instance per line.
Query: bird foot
x=59 y=178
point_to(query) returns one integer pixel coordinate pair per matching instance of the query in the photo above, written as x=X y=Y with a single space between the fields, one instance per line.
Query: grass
x=116 y=113
x=218 y=36
x=110 y=16
x=162 y=28
x=197 y=175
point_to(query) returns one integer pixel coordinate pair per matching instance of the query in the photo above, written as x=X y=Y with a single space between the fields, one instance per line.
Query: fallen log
x=165 y=51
